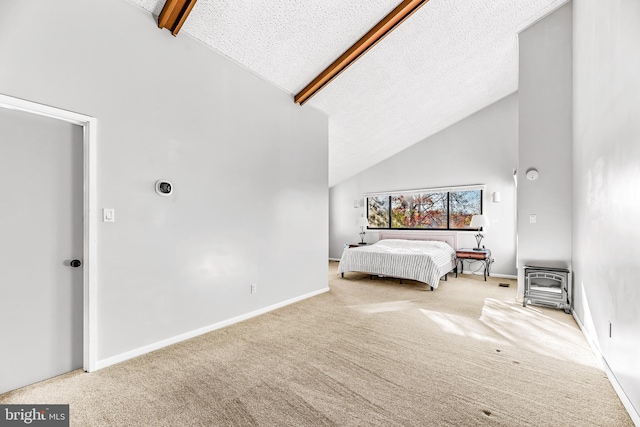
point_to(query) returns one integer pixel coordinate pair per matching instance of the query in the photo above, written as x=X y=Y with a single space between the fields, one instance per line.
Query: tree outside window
x=425 y=211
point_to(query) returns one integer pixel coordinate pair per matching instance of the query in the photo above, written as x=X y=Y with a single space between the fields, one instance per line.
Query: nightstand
x=356 y=245
x=482 y=255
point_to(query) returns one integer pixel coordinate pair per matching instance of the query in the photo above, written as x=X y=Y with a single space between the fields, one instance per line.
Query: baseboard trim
x=626 y=402
x=594 y=346
x=504 y=276
x=635 y=416
x=480 y=273
x=334 y=259
x=191 y=334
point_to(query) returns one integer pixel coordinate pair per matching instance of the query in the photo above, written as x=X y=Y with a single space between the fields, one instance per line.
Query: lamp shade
x=362 y=222
x=478 y=221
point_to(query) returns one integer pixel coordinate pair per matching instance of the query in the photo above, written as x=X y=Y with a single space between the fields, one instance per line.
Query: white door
x=41 y=233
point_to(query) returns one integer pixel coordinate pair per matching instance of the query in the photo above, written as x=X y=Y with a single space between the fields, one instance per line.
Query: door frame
x=90 y=217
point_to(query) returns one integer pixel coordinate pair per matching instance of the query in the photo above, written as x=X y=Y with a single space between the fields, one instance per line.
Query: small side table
x=483 y=255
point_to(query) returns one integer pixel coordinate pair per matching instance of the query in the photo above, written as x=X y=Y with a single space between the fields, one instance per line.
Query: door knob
x=75 y=263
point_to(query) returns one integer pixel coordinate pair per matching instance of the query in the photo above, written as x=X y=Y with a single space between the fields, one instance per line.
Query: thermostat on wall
x=532 y=174
x=164 y=187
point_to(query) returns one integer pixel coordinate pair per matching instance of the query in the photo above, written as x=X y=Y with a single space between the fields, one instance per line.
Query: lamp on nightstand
x=362 y=223
x=479 y=221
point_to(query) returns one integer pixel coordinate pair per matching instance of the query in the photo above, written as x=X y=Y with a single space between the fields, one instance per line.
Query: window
x=378 y=212
x=462 y=206
x=425 y=210
x=419 y=210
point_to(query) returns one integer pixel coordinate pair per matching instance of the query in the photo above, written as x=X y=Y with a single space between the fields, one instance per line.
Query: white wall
x=544 y=143
x=606 y=166
x=481 y=149
x=248 y=165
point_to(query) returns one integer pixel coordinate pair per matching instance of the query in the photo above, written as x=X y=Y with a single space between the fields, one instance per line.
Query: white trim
x=633 y=413
x=479 y=273
x=90 y=225
x=635 y=416
x=592 y=344
x=334 y=259
x=200 y=331
x=429 y=190
x=504 y=276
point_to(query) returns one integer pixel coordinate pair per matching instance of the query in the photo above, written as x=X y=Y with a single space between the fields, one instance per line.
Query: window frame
x=390 y=210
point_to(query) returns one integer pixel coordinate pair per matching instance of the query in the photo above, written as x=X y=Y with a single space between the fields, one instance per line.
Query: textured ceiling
x=447 y=61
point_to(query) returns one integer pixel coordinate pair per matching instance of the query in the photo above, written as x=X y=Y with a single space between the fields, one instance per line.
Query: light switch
x=532 y=218
x=108 y=215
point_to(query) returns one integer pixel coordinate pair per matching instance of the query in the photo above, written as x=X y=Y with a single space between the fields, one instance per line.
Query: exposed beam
x=174 y=13
x=377 y=33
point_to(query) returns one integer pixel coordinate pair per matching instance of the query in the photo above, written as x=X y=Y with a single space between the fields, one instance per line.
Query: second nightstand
x=483 y=255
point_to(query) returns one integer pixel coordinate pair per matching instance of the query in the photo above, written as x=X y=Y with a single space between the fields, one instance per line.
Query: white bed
x=425 y=257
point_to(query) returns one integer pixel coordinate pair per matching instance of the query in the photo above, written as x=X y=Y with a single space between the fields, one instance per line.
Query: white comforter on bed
x=424 y=261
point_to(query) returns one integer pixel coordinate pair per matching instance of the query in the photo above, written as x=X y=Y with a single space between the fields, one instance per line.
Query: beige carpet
x=370 y=352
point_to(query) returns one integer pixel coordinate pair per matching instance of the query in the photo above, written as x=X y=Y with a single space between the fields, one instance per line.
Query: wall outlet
x=253 y=288
x=533 y=218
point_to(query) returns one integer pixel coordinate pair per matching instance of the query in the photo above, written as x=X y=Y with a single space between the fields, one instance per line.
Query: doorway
x=47 y=242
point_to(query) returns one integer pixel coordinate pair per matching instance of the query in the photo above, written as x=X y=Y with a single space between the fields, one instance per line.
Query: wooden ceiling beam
x=362 y=46
x=174 y=13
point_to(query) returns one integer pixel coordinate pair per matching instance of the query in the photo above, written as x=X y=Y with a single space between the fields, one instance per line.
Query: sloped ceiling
x=447 y=61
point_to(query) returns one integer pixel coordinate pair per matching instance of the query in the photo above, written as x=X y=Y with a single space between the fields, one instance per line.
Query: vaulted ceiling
x=448 y=60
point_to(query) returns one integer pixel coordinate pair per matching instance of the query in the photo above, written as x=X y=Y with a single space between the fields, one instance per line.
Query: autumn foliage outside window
x=427 y=211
